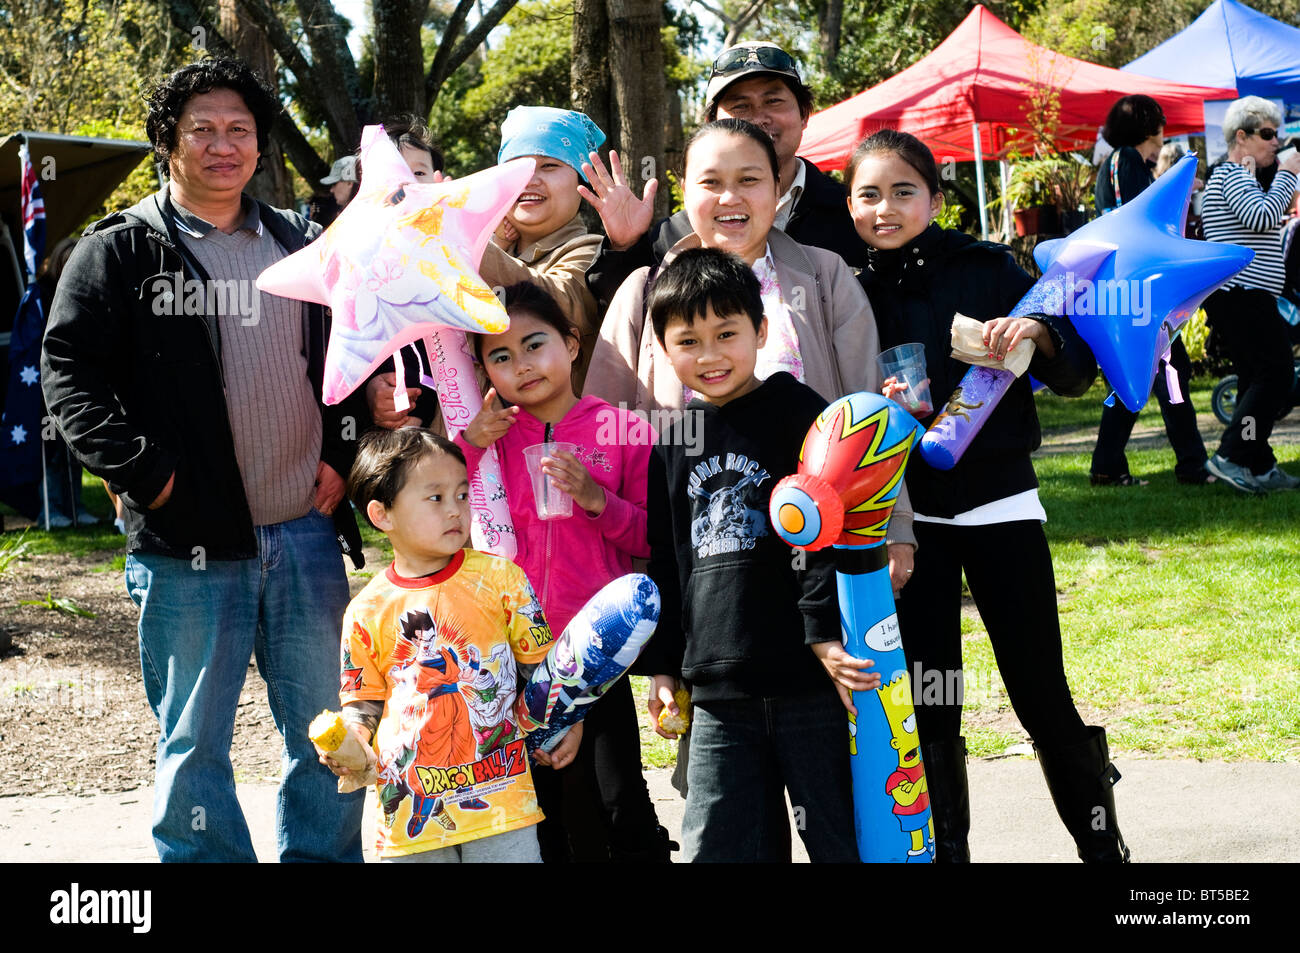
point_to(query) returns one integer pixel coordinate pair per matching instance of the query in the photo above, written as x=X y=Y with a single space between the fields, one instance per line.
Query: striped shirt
x=1236 y=209
x=272 y=407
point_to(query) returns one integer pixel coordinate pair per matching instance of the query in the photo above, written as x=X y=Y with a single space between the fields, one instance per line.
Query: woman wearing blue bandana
x=542 y=238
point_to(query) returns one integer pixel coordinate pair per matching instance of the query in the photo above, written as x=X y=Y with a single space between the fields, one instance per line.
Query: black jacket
x=914 y=292
x=737 y=616
x=140 y=394
x=1131 y=172
x=820 y=218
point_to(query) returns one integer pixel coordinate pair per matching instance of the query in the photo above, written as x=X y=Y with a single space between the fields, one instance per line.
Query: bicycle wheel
x=1224 y=399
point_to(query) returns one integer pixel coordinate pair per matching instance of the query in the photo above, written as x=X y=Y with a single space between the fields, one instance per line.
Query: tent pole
x=979 y=181
x=1004 y=176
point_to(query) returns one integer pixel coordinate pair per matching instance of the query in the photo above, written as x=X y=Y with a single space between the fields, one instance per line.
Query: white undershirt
x=1021 y=506
x=785 y=205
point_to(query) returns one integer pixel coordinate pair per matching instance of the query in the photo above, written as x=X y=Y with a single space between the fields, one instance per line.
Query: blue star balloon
x=1138 y=299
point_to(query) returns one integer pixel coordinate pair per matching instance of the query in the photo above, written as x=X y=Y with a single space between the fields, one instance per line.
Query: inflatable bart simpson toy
x=850 y=474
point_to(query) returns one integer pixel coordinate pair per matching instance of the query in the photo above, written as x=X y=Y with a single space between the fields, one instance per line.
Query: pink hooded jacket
x=569 y=560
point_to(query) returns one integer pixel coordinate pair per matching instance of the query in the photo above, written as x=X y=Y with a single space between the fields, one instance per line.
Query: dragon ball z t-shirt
x=441 y=652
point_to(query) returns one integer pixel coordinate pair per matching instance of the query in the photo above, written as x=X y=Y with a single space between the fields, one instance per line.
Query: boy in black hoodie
x=745 y=619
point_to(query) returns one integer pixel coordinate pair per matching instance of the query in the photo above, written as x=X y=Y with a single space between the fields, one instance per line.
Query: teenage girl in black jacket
x=983 y=516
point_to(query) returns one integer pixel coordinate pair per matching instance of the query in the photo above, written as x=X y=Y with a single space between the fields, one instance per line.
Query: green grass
x=1060 y=414
x=1179 y=609
x=657 y=752
x=1179 y=605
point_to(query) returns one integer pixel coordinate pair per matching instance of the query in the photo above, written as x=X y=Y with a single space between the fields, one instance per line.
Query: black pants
x=1180 y=424
x=598 y=808
x=1009 y=570
x=1257 y=342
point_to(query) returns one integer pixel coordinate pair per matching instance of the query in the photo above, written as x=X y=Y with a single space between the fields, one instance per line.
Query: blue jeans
x=199 y=624
x=744 y=755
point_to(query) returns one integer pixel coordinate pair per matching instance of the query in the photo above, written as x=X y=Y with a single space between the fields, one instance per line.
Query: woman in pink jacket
x=599 y=807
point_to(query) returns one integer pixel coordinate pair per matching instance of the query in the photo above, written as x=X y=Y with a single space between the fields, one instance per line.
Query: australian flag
x=20 y=424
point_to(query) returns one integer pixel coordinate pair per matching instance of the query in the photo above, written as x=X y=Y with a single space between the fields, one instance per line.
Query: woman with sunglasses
x=758 y=82
x=1237 y=209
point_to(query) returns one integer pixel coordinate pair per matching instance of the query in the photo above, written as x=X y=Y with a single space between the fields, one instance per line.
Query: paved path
x=1152 y=437
x=1169 y=811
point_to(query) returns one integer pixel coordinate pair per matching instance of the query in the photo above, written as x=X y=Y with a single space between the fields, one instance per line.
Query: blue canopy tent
x=1230 y=45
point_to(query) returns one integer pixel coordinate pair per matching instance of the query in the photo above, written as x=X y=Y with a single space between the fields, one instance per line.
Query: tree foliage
x=1113 y=33
x=63 y=65
x=79 y=69
x=528 y=67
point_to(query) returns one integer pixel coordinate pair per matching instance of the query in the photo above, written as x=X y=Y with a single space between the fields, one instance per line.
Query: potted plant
x=1049 y=194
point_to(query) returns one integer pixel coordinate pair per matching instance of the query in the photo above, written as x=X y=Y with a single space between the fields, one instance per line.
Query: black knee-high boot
x=1082 y=778
x=945 y=778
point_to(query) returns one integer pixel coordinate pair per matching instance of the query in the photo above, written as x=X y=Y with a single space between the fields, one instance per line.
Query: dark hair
x=803 y=95
x=700 y=278
x=52 y=268
x=408 y=130
x=527 y=298
x=385 y=459
x=737 y=127
x=902 y=144
x=167 y=99
x=1133 y=119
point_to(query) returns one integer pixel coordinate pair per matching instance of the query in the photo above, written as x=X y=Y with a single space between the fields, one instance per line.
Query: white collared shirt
x=785 y=205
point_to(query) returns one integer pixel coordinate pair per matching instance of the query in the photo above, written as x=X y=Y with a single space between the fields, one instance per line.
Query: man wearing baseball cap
x=342 y=180
x=758 y=82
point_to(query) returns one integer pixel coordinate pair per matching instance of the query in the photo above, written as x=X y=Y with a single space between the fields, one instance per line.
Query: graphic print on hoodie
x=728 y=507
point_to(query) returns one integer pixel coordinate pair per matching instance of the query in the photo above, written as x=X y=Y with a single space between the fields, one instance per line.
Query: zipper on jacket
x=207 y=333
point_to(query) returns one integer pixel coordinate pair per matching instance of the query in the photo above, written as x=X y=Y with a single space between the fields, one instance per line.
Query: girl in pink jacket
x=599 y=807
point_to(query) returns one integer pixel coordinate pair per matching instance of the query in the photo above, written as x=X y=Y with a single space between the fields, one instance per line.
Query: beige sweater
x=558 y=265
x=838 y=342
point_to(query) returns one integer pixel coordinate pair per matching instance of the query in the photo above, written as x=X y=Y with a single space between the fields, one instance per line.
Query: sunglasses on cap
x=1266 y=133
x=768 y=57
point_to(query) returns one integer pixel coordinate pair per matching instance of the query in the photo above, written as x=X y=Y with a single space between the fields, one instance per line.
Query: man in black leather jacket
x=198 y=399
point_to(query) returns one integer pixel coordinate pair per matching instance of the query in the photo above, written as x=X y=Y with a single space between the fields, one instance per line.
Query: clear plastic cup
x=906 y=364
x=552 y=504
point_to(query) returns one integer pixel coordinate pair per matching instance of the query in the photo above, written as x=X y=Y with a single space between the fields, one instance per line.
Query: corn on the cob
x=330 y=733
x=677 y=723
x=327 y=730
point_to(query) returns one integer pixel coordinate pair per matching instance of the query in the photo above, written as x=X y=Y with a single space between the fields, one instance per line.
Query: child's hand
x=341 y=771
x=1003 y=334
x=506 y=234
x=569 y=476
x=662 y=688
x=846 y=671
x=893 y=388
x=564 y=752
x=489 y=424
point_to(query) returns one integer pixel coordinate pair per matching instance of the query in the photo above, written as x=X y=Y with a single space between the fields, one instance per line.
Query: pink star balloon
x=400 y=261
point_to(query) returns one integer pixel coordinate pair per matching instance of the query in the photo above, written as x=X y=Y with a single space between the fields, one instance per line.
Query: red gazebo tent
x=973 y=93
x=980 y=81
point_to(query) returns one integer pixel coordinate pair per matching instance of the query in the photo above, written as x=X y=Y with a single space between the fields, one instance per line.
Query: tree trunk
x=589 y=70
x=272 y=183
x=636 y=65
x=829 y=31
x=399 y=58
x=674 y=138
